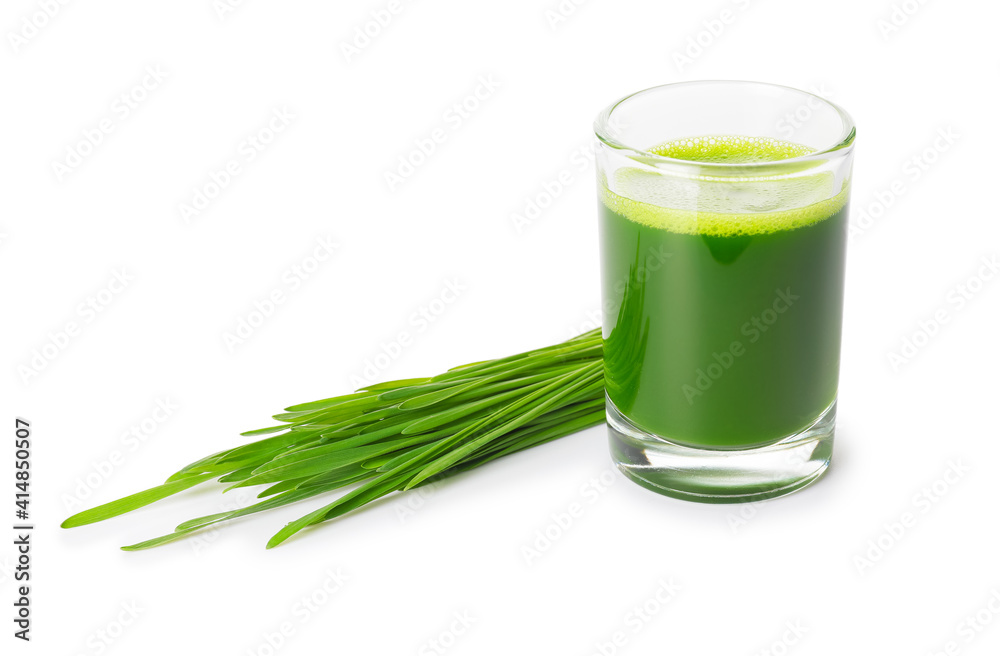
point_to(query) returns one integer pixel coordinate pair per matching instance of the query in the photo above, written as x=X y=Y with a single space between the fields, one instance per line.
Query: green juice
x=722 y=328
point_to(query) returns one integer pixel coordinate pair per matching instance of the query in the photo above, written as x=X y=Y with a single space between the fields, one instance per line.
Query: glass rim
x=603 y=131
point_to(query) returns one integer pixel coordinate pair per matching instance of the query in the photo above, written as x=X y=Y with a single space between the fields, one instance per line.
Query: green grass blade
x=324 y=404
x=354 y=499
x=324 y=460
x=335 y=479
x=133 y=501
x=395 y=435
x=163 y=539
x=238 y=475
x=265 y=431
x=530 y=407
x=283 y=486
x=394 y=384
x=457 y=412
x=396 y=395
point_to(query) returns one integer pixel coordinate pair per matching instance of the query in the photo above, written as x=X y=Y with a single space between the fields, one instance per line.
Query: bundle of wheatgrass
x=395 y=436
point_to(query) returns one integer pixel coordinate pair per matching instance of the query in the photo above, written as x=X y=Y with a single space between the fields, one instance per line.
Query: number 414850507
x=22 y=463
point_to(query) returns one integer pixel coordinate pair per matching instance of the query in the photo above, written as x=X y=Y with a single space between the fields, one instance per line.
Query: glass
x=723 y=226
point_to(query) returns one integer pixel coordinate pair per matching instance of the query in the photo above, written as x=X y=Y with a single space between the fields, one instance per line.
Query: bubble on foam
x=730 y=149
x=726 y=206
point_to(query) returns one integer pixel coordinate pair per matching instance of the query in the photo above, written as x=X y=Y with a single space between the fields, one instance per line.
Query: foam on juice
x=722 y=206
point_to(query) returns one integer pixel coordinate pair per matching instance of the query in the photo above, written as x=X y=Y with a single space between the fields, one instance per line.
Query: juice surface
x=722 y=328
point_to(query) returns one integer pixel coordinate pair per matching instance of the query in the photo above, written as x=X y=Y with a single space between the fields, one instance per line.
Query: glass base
x=722 y=476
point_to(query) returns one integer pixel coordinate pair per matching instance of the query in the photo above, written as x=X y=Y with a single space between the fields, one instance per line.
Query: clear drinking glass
x=723 y=222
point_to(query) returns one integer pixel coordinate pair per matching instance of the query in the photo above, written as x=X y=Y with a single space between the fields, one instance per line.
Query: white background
x=744 y=573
